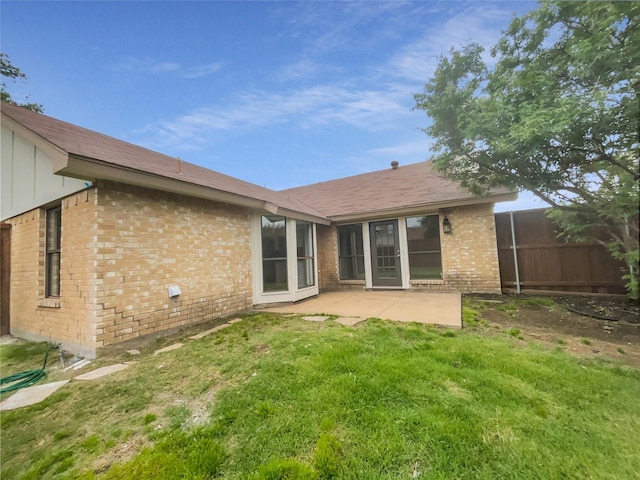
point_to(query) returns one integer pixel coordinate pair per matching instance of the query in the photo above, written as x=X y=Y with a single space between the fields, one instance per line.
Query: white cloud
x=321 y=105
x=415 y=151
x=147 y=65
x=325 y=26
x=417 y=61
x=298 y=70
x=372 y=97
x=154 y=67
x=202 y=70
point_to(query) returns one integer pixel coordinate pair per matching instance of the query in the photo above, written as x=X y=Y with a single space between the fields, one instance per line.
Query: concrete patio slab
x=315 y=318
x=102 y=372
x=170 y=348
x=31 y=395
x=350 y=321
x=209 y=332
x=399 y=305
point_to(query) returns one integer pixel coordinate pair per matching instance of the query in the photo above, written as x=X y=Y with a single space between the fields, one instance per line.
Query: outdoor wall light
x=446 y=225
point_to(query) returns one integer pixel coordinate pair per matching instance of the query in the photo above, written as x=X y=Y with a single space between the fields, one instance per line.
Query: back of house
x=110 y=241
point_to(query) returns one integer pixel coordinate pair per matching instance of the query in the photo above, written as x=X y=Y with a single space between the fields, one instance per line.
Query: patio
x=398 y=305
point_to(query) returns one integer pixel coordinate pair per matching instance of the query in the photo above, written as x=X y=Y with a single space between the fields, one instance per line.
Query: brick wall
x=66 y=319
x=122 y=247
x=327 y=256
x=149 y=240
x=470 y=251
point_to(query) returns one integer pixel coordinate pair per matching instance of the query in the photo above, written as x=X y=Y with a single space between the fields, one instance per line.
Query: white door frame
x=402 y=245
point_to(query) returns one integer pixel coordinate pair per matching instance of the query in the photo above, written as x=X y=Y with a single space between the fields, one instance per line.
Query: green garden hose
x=27 y=378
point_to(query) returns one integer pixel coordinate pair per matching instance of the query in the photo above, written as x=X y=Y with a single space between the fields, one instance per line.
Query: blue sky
x=280 y=94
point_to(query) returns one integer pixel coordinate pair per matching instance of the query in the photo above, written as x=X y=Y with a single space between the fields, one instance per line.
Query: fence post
x=515 y=253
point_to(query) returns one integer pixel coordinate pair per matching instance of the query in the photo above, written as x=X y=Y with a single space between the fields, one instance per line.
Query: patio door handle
x=398 y=253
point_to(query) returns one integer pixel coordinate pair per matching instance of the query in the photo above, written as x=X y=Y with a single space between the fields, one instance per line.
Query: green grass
x=288 y=399
x=17 y=357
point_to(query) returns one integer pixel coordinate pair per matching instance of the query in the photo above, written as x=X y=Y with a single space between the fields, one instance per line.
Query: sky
x=280 y=94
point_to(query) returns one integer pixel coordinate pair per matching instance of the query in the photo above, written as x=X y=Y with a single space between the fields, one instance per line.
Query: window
x=274 y=254
x=52 y=274
x=425 y=257
x=351 y=252
x=304 y=246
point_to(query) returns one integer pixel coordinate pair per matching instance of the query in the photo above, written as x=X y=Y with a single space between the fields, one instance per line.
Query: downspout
x=515 y=253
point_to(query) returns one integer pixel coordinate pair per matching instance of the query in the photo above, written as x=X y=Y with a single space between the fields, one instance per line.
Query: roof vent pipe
x=394 y=165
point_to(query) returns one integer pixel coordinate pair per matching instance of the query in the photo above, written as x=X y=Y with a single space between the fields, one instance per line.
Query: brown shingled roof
x=84 y=143
x=405 y=187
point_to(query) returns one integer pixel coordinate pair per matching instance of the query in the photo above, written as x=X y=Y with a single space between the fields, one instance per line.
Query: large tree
x=8 y=71
x=554 y=110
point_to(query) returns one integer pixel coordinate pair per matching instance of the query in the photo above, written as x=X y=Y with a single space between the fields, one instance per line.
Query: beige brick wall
x=470 y=251
x=67 y=319
x=469 y=255
x=149 y=240
x=327 y=256
x=122 y=247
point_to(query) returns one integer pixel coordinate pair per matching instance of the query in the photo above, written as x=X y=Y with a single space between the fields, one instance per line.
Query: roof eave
x=90 y=169
x=303 y=216
x=422 y=208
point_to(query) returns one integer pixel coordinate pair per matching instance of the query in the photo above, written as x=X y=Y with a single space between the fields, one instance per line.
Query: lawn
x=276 y=397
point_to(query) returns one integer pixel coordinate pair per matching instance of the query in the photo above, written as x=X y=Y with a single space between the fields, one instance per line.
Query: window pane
x=304 y=239
x=274 y=275
x=53 y=229
x=423 y=234
x=423 y=238
x=425 y=265
x=53 y=275
x=351 y=252
x=305 y=273
x=274 y=254
x=274 y=237
x=304 y=244
x=347 y=268
x=52 y=255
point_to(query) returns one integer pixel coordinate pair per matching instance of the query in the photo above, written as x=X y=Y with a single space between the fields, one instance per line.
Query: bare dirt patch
x=120 y=453
x=555 y=325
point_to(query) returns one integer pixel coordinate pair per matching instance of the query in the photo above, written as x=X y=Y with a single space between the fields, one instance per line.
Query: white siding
x=27 y=180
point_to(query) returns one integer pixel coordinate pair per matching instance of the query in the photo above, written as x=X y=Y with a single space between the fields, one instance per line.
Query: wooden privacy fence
x=541 y=260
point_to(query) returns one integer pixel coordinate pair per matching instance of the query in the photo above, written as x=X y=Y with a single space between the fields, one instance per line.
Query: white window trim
x=293 y=293
x=404 y=252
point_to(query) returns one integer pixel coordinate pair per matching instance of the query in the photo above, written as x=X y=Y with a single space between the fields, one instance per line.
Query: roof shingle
x=86 y=143
x=407 y=186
